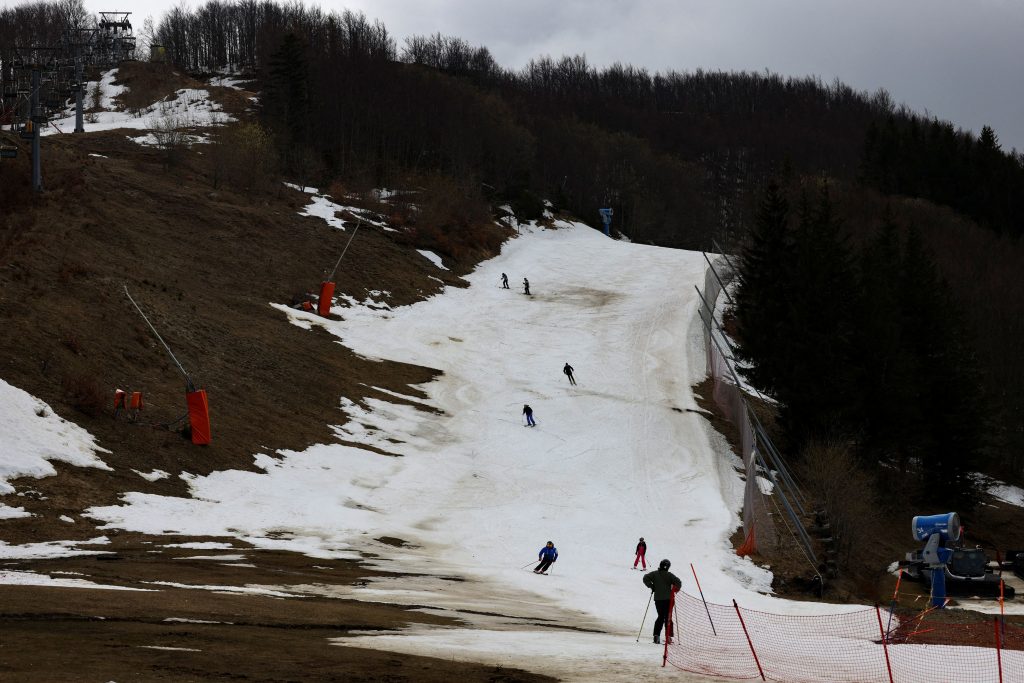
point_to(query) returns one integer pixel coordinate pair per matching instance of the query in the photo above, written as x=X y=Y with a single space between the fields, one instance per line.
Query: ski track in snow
x=475 y=495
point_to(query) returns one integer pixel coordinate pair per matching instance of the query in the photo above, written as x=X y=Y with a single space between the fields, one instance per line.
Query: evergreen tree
x=948 y=435
x=889 y=387
x=819 y=393
x=765 y=283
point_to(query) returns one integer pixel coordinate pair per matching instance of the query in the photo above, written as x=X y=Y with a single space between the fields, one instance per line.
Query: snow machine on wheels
x=946 y=566
x=1015 y=562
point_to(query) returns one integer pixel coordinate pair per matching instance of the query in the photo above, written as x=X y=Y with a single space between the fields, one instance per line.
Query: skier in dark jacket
x=528 y=412
x=547 y=556
x=526 y=286
x=663 y=584
x=504 y=281
x=568 y=373
x=641 y=552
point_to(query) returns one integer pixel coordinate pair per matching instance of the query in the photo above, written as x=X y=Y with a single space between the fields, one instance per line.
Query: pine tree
x=948 y=435
x=765 y=282
x=819 y=393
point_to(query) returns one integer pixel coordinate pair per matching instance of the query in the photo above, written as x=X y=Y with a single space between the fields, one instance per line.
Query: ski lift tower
x=115 y=39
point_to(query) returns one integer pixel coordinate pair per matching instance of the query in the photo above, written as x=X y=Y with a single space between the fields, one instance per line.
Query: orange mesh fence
x=842 y=648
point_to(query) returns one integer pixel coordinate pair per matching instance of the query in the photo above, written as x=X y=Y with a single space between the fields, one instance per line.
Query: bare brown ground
x=204 y=265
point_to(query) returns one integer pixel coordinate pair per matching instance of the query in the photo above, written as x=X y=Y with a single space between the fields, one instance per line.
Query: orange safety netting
x=861 y=646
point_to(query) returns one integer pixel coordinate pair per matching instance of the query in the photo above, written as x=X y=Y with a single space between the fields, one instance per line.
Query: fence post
x=999 y=654
x=749 y=642
x=885 y=643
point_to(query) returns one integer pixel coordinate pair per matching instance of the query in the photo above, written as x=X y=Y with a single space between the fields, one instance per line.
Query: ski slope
x=475 y=494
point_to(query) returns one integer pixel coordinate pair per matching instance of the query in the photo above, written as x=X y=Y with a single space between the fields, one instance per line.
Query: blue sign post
x=606 y=218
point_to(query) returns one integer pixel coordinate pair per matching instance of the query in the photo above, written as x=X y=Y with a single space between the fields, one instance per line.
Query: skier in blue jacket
x=547 y=556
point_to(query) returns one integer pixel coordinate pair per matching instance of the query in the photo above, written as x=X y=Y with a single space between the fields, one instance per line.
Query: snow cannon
x=323 y=304
x=947 y=524
x=936 y=529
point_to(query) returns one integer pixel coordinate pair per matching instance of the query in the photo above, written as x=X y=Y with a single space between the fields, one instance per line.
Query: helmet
x=551 y=542
x=665 y=564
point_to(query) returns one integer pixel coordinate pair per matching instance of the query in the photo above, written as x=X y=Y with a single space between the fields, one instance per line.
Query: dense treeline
x=32 y=25
x=861 y=345
x=931 y=160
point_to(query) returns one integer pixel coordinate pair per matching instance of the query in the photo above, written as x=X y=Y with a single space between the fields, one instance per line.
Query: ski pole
x=702 y=598
x=527 y=564
x=651 y=597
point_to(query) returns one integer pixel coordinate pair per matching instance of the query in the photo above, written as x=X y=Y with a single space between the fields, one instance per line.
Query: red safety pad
x=323 y=306
x=199 y=416
x=136 y=403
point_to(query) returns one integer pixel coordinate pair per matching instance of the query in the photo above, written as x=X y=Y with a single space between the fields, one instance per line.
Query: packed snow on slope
x=474 y=493
x=31 y=435
x=323 y=207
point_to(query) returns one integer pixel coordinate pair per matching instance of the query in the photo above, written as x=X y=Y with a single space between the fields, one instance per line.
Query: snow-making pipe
x=188 y=380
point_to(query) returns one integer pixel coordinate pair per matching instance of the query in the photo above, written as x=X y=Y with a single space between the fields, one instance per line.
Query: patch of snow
x=187 y=108
x=180 y=620
x=32 y=435
x=302 y=188
x=213 y=557
x=22 y=578
x=202 y=545
x=155 y=475
x=247 y=590
x=1001 y=491
x=171 y=649
x=322 y=207
x=65 y=518
x=8 y=512
x=432 y=257
x=228 y=82
x=100 y=156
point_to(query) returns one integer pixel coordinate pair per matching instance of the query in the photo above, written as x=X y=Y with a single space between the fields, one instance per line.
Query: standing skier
x=547 y=556
x=526 y=286
x=568 y=373
x=504 y=281
x=641 y=551
x=663 y=584
x=528 y=412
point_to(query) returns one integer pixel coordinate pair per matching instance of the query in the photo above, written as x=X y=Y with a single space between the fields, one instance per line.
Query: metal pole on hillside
x=360 y=222
x=79 y=96
x=188 y=380
x=37 y=119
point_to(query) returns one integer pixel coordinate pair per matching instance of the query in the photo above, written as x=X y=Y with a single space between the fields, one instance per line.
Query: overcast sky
x=961 y=60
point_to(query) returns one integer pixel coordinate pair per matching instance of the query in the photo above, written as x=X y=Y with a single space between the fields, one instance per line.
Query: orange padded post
x=118 y=399
x=323 y=306
x=199 y=416
x=136 y=402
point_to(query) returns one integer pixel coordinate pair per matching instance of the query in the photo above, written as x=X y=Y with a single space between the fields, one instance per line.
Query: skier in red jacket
x=641 y=551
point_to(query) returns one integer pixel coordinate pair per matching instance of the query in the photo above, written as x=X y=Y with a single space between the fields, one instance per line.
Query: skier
x=528 y=412
x=641 y=551
x=504 y=281
x=568 y=373
x=526 y=286
x=547 y=556
x=663 y=584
